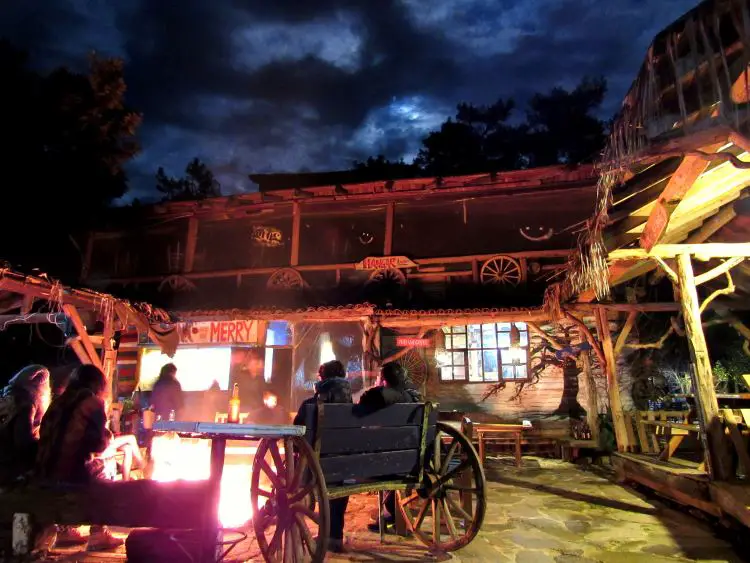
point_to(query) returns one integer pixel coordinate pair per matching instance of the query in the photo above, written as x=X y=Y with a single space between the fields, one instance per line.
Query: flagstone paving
x=548 y=511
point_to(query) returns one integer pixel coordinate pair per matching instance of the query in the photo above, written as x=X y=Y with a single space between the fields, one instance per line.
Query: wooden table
x=219 y=434
x=674 y=433
x=481 y=431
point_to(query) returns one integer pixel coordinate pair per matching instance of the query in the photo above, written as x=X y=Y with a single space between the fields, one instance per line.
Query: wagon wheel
x=285 y=278
x=414 y=365
x=389 y=275
x=452 y=500
x=501 y=270
x=292 y=522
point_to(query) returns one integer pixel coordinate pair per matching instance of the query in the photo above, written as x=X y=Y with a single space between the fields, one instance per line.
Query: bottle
x=234 y=405
x=171 y=416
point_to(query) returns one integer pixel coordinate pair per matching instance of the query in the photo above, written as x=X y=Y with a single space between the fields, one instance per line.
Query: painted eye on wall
x=365 y=237
x=544 y=234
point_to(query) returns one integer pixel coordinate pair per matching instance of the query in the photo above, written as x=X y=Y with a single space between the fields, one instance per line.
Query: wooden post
x=390 y=213
x=712 y=430
x=294 y=259
x=83 y=335
x=109 y=354
x=190 y=244
x=613 y=386
x=592 y=397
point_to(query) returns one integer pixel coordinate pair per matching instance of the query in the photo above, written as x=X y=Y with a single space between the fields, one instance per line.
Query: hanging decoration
x=269 y=237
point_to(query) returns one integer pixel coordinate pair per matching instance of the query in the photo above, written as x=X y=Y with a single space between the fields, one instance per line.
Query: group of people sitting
x=333 y=387
x=64 y=439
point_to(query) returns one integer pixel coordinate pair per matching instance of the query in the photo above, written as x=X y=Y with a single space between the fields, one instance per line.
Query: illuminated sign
x=266 y=236
x=384 y=263
x=220 y=332
x=406 y=342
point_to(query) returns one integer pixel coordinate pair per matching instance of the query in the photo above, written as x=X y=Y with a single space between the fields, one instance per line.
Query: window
x=483 y=353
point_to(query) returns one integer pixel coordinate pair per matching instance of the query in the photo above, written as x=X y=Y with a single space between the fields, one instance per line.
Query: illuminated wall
x=197 y=368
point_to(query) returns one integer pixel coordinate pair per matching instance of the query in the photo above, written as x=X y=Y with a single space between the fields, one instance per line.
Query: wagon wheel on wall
x=285 y=278
x=292 y=520
x=414 y=365
x=447 y=511
x=501 y=270
x=389 y=275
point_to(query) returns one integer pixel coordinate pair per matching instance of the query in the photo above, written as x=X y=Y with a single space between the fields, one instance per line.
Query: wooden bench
x=129 y=504
x=432 y=467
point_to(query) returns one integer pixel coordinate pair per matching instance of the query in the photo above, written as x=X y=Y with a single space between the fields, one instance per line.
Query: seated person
x=394 y=388
x=73 y=437
x=332 y=387
x=23 y=403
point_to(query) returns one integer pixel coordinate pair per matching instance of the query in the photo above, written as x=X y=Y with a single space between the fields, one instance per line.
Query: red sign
x=220 y=332
x=406 y=342
x=384 y=263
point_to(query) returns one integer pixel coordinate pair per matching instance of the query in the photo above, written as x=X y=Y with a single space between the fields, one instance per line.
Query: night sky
x=288 y=85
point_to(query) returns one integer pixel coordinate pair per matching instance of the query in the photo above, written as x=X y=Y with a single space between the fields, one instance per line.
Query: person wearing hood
x=332 y=387
x=23 y=403
x=166 y=396
x=394 y=388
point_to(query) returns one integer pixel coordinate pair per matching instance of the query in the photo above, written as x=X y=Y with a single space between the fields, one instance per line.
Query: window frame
x=481 y=351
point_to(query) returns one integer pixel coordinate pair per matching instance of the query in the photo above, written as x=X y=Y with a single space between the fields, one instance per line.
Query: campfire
x=189 y=459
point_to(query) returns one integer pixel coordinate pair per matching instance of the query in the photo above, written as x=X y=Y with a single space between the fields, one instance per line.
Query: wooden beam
x=296 y=216
x=592 y=396
x=719 y=270
x=109 y=354
x=704 y=251
x=613 y=385
x=390 y=213
x=703 y=381
x=678 y=185
x=191 y=240
x=83 y=334
x=625 y=332
x=668 y=271
x=31 y=319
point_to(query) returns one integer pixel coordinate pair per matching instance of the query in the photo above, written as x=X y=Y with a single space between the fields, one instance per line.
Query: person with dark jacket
x=394 y=388
x=72 y=437
x=332 y=387
x=166 y=396
x=23 y=403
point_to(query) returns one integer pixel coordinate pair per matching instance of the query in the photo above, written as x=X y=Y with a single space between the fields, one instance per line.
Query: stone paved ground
x=546 y=512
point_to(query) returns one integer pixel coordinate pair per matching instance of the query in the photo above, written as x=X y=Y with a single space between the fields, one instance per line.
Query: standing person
x=167 y=393
x=72 y=437
x=23 y=403
x=332 y=387
x=394 y=388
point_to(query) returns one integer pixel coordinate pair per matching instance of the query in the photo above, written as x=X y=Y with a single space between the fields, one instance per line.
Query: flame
x=270 y=400
x=189 y=459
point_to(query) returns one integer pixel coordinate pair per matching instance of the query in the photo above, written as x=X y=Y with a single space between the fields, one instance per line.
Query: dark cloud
x=253 y=85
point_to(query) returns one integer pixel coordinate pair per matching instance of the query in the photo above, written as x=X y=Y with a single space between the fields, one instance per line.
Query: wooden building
x=672 y=221
x=445 y=275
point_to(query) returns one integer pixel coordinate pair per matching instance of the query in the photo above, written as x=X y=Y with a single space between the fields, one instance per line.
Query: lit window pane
x=475 y=365
x=459 y=372
x=458 y=358
x=475 y=336
x=459 y=329
x=459 y=341
x=490 y=365
x=521 y=372
x=448 y=342
x=503 y=340
x=508 y=372
x=446 y=374
x=504 y=327
x=521 y=326
x=524 y=338
x=488 y=336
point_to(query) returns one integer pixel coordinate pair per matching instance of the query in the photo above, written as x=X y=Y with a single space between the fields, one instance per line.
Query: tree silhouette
x=68 y=137
x=380 y=168
x=198 y=183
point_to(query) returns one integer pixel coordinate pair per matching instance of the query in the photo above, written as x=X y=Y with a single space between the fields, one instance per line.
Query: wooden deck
x=685 y=485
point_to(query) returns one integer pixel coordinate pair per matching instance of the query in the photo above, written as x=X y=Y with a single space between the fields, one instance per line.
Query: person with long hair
x=73 y=436
x=23 y=403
